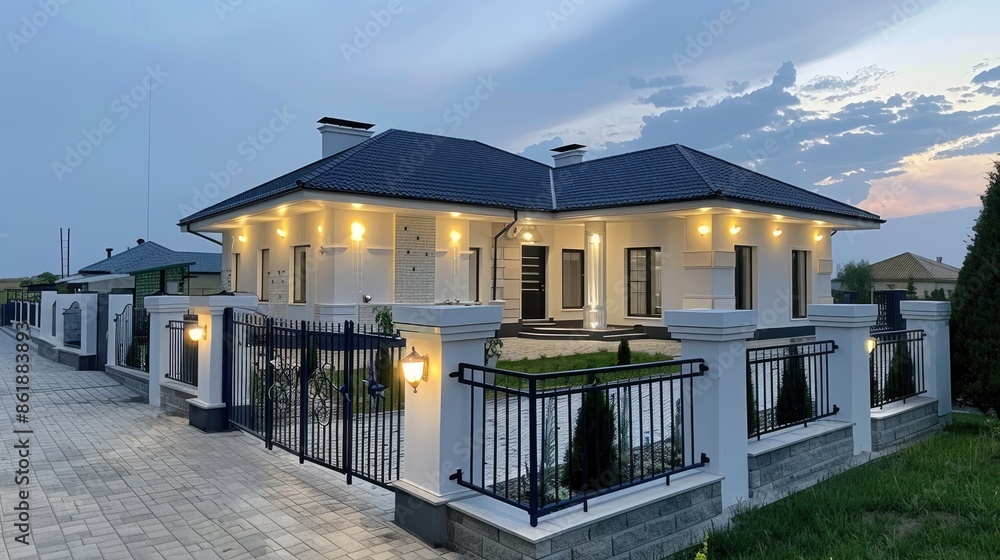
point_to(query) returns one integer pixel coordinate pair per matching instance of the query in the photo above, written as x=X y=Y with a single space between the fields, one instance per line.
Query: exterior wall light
x=818 y=237
x=357 y=231
x=703 y=229
x=456 y=236
x=776 y=232
x=281 y=233
x=319 y=228
x=195 y=331
x=595 y=239
x=735 y=229
x=242 y=238
x=414 y=368
x=870 y=344
x=527 y=236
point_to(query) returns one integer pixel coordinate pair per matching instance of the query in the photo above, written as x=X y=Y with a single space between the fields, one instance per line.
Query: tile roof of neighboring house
x=907 y=265
x=149 y=255
x=412 y=165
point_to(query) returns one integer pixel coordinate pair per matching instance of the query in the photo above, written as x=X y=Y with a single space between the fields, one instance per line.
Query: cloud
x=828 y=181
x=929 y=185
x=835 y=88
x=664 y=81
x=676 y=96
x=991 y=75
x=736 y=87
x=987 y=90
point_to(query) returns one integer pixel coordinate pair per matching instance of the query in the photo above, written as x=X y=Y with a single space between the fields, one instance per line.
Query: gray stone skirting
x=71 y=358
x=135 y=379
x=652 y=531
x=777 y=470
x=902 y=424
x=174 y=396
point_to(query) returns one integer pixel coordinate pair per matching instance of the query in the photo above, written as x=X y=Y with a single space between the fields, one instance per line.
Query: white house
x=404 y=218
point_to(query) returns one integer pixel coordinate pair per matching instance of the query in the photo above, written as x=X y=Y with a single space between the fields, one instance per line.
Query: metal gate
x=326 y=392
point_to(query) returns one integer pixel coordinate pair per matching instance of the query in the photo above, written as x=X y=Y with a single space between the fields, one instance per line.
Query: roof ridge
x=682 y=150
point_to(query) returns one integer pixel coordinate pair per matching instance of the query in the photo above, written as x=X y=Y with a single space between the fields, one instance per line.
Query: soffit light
x=703 y=229
x=735 y=229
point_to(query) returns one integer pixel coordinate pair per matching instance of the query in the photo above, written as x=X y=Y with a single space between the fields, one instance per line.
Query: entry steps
x=545 y=330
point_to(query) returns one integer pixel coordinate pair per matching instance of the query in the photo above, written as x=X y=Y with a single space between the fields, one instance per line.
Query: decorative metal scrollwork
x=281 y=391
x=321 y=396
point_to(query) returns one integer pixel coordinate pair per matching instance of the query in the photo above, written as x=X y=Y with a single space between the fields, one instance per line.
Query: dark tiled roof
x=150 y=255
x=410 y=165
x=907 y=265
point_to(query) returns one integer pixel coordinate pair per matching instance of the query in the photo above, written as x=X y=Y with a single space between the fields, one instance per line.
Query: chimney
x=569 y=154
x=939 y=259
x=339 y=134
x=140 y=241
x=109 y=249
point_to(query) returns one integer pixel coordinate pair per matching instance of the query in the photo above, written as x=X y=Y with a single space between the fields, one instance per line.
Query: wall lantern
x=281 y=232
x=595 y=238
x=319 y=228
x=242 y=238
x=776 y=232
x=455 y=236
x=870 y=344
x=735 y=229
x=414 y=368
x=195 y=331
x=818 y=237
x=703 y=229
x=357 y=231
x=528 y=236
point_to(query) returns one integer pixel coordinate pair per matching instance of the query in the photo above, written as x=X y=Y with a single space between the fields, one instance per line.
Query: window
x=572 y=279
x=265 y=267
x=474 y=273
x=744 y=277
x=299 y=266
x=236 y=273
x=800 y=283
x=644 y=282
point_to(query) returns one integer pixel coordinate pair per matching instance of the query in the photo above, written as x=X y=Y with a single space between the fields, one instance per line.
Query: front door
x=532 y=282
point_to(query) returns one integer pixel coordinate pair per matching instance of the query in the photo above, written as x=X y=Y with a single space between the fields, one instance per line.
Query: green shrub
x=624 y=353
x=794 y=398
x=901 y=380
x=592 y=458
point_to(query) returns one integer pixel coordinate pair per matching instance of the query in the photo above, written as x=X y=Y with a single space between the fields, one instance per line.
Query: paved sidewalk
x=112 y=477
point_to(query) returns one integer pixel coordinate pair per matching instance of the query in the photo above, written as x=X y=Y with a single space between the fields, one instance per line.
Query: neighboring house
x=409 y=218
x=149 y=268
x=927 y=274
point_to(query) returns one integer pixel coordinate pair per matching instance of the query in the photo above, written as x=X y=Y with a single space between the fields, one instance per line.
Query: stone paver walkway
x=112 y=477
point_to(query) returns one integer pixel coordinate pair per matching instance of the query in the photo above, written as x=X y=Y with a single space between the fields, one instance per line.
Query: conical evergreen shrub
x=794 y=398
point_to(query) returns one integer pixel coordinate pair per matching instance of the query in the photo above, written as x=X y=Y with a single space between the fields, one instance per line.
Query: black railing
x=132 y=338
x=889 y=317
x=545 y=442
x=183 y=355
x=897 y=367
x=788 y=385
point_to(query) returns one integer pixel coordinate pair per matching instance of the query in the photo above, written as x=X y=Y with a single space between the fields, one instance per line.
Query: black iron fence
x=890 y=317
x=788 y=385
x=182 y=355
x=132 y=338
x=897 y=367
x=545 y=442
x=327 y=392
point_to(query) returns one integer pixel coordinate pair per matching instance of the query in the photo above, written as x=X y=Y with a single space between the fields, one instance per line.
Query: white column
x=933 y=317
x=208 y=410
x=848 y=326
x=720 y=397
x=162 y=310
x=595 y=315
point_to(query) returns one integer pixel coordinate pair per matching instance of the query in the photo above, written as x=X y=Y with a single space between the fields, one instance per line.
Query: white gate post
x=933 y=318
x=162 y=310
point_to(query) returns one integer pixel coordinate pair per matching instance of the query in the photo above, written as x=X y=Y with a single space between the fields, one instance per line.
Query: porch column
x=162 y=310
x=720 y=397
x=436 y=423
x=207 y=411
x=933 y=317
x=848 y=326
x=595 y=256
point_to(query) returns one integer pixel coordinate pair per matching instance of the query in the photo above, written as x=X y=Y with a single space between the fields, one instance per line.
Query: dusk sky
x=890 y=105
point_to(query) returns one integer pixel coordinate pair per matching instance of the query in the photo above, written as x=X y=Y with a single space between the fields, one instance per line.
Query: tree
x=911 y=289
x=43 y=278
x=937 y=294
x=592 y=458
x=794 y=398
x=975 y=330
x=624 y=353
x=901 y=380
x=857 y=276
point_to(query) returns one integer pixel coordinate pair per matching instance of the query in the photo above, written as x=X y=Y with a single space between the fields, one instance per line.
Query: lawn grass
x=575 y=362
x=937 y=499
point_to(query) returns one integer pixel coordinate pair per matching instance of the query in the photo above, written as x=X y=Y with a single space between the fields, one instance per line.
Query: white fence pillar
x=933 y=317
x=720 y=397
x=162 y=310
x=116 y=305
x=436 y=423
x=848 y=326
x=207 y=411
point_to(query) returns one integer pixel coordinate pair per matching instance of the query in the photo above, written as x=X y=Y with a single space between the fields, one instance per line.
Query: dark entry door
x=532 y=282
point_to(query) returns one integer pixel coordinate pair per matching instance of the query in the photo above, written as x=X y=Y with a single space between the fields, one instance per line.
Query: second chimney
x=569 y=154
x=339 y=134
x=939 y=259
x=109 y=249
